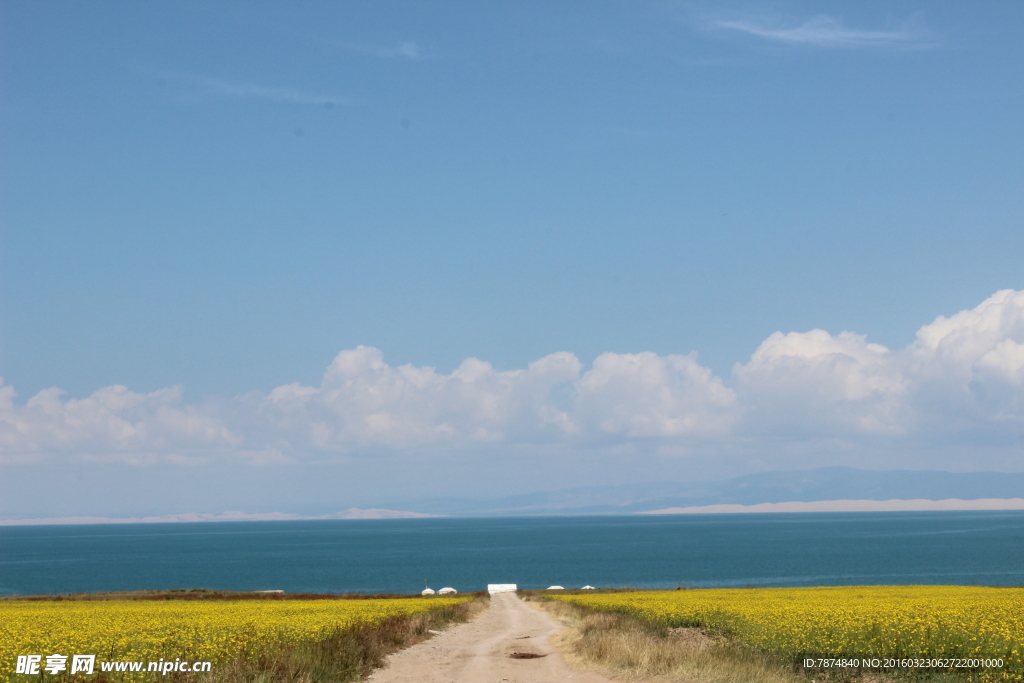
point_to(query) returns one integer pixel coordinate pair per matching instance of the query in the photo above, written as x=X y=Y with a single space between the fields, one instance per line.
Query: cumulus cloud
x=364 y=402
x=961 y=373
x=816 y=383
x=647 y=395
x=112 y=424
x=969 y=368
x=963 y=376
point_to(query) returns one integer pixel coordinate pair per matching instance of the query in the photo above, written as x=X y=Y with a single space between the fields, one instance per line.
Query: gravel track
x=508 y=642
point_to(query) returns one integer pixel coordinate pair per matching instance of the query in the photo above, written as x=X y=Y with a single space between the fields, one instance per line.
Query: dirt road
x=500 y=645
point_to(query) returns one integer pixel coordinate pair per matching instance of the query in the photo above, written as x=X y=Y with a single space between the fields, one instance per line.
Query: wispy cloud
x=407 y=50
x=826 y=31
x=241 y=89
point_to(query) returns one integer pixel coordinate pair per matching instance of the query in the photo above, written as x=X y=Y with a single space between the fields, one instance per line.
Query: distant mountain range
x=823 y=484
x=827 y=489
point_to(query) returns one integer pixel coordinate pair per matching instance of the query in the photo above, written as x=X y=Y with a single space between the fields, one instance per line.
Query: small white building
x=427 y=591
x=493 y=588
x=447 y=590
x=556 y=588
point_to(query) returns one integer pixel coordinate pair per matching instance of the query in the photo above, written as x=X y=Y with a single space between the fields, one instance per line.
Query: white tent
x=556 y=588
x=427 y=591
x=588 y=588
x=447 y=590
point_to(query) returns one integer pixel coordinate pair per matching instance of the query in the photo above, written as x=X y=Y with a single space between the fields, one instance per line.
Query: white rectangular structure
x=493 y=588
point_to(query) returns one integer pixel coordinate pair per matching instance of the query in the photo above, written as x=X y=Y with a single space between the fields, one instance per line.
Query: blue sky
x=224 y=197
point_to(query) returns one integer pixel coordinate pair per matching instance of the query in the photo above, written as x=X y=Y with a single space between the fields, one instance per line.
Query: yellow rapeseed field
x=848 y=621
x=197 y=630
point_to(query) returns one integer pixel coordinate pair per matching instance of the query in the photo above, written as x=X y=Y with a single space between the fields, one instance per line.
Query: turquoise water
x=967 y=548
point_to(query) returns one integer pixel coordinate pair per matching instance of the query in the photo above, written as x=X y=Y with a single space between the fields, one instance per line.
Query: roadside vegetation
x=628 y=648
x=345 y=654
x=726 y=635
x=247 y=637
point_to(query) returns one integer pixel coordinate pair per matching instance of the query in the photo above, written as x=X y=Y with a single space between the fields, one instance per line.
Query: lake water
x=395 y=556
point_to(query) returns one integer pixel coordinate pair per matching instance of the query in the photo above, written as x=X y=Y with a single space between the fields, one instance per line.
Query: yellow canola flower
x=196 y=630
x=846 y=621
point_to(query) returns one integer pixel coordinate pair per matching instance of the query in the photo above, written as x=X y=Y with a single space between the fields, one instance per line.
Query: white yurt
x=556 y=588
x=447 y=590
x=588 y=588
x=427 y=591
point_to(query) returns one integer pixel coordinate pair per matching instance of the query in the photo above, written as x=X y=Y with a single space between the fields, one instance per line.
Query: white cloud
x=961 y=373
x=644 y=394
x=962 y=379
x=111 y=424
x=825 y=31
x=364 y=402
x=814 y=383
x=969 y=368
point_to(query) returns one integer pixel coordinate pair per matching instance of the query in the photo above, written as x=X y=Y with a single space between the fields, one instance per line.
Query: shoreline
x=892 y=505
x=354 y=514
